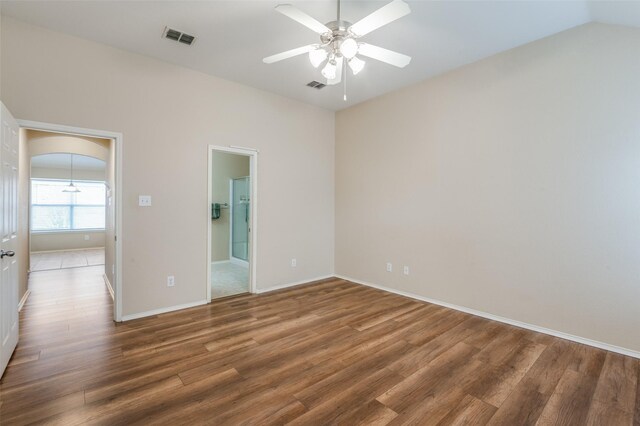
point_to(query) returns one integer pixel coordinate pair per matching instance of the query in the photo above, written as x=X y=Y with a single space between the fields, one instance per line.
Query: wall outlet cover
x=171 y=281
x=144 y=200
x=389 y=267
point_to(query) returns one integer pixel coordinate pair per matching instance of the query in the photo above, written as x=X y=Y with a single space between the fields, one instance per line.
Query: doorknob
x=8 y=253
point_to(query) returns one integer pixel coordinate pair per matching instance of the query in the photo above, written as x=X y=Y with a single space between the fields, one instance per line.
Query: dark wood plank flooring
x=331 y=352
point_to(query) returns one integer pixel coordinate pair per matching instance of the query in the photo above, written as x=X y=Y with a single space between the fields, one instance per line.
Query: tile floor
x=46 y=261
x=228 y=279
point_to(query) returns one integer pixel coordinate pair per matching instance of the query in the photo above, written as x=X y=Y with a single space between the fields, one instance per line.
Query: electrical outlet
x=406 y=270
x=87 y=237
x=294 y=263
x=171 y=281
x=144 y=200
x=389 y=267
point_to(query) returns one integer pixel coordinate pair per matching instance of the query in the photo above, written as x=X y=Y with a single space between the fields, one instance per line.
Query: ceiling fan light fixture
x=356 y=64
x=317 y=57
x=329 y=70
x=349 y=48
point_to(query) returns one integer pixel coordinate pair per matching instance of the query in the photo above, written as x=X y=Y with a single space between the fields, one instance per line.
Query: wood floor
x=327 y=353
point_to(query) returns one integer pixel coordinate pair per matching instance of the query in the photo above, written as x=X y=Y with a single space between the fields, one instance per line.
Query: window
x=55 y=210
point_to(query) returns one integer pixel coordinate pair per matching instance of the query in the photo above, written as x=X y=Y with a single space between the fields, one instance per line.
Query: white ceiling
x=63 y=161
x=234 y=36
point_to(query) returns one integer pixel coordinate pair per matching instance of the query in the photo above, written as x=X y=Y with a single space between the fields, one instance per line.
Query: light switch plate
x=144 y=200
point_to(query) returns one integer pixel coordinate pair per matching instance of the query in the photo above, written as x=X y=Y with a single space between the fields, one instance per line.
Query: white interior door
x=8 y=237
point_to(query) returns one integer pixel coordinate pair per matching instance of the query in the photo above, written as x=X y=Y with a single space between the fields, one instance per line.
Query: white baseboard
x=220 y=262
x=532 y=327
x=163 y=310
x=293 y=284
x=108 y=284
x=24 y=299
x=59 y=250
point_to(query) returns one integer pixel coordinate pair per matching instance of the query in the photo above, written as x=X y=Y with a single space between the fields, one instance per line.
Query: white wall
x=510 y=186
x=168 y=116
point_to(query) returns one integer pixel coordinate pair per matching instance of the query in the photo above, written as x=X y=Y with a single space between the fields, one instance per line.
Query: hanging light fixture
x=330 y=70
x=317 y=57
x=340 y=48
x=71 y=187
x=356 y=64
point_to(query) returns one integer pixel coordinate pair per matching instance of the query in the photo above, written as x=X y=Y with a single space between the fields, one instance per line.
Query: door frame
x=118 y=142
x=253 y=206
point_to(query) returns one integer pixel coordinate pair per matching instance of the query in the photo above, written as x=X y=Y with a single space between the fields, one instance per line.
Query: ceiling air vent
x=179 y=36
x=316 y=85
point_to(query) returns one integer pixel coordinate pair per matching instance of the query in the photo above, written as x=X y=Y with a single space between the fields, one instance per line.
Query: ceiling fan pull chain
x=345 y=81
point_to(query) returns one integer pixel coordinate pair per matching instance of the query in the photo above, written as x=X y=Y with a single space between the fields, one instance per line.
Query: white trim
x=220 y=262
x=532 y=327
x=108 y=284
x=244 y=148
x=56 y=251
x=70 y=231
x=164 y=310
x=118 y=231
x=24 y=299
x=253 y=206
x=294 y=284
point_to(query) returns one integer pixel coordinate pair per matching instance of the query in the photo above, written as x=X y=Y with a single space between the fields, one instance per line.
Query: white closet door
x=8 y=237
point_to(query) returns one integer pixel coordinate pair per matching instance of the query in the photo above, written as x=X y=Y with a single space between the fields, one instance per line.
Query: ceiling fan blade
x=289 y=54
x=384 y=55
x=386 y=14
x=338 y=79
x=301 y=17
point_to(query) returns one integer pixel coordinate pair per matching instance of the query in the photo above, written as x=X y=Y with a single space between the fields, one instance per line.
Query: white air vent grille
x=178 y=36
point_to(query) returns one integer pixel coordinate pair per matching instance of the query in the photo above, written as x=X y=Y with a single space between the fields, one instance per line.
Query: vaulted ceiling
x=234 y=36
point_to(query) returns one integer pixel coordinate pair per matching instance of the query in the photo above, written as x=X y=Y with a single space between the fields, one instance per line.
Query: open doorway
x=232 y=219
x=70 y=209
x=67 y=211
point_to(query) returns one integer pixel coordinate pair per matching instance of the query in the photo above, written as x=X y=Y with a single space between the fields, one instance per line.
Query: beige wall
x=74 y=240
x=224 y=167
x=168 y=116
x=78 y=174
x=510 y=186
x=49 y=143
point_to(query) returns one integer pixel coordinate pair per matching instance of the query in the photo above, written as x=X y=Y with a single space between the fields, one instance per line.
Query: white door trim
x=117 y=137
x=253 y=208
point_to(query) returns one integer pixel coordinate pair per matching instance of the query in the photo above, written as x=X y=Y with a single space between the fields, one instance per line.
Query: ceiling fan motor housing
x=338 y=33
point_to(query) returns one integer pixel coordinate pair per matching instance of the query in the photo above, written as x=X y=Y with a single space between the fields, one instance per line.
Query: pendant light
x=71 y=187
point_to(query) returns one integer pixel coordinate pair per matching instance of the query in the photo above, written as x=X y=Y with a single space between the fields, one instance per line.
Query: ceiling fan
x=339 y=41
